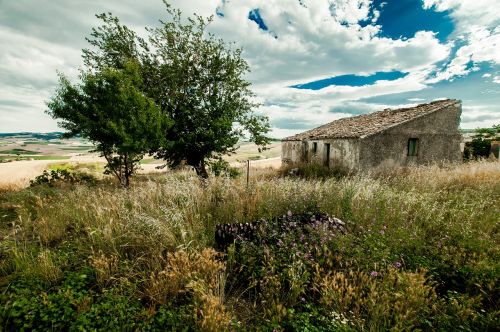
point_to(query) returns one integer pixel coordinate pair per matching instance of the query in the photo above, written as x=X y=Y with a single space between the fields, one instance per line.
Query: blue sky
x=312 y=61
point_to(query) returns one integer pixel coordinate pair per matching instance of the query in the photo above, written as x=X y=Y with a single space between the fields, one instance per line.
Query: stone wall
x=438 y=140
x=343 y=152
x=291 y=152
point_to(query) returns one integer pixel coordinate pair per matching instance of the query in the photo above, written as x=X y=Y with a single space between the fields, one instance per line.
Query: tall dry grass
x=154 y=236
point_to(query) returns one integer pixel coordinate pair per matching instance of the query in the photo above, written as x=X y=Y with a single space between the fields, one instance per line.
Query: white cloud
x=477 y=25
x=468 y=13
x=320 y=39
x=315 y=42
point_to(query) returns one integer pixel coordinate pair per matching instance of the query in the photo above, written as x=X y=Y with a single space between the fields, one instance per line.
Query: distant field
x=77 y=148
x=18 y=151
x=25 y=158
x=30 y=153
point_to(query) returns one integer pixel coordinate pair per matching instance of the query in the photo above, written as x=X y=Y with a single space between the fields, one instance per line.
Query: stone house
x=408 y=136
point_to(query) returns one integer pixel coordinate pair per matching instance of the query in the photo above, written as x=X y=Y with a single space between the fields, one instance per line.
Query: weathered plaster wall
x=343 y=152
x=438 y=140
x=291 y=152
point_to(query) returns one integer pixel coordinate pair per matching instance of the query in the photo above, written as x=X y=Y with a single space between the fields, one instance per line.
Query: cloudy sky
x=312 y=61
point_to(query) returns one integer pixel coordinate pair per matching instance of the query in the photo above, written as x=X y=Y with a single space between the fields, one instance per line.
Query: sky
x=312 y=61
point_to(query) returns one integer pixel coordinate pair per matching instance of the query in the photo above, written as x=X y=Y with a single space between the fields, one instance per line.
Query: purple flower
x=397 y=265
x=382 y=232
x=374 y=274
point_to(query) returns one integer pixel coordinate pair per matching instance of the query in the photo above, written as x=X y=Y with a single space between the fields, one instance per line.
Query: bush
x=314 y=171
x=59 y=176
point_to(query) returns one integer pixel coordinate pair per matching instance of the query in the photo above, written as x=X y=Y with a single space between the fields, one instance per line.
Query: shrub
x=379 y=300
x=58 y=176
x=314 y=171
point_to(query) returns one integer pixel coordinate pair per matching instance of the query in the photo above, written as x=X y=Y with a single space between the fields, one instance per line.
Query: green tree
x=109 y=108
x=198 y=81
x=195 y=79
x=480 y=146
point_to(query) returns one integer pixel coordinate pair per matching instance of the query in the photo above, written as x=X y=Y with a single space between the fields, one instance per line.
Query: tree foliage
x=198 y=81
x=181 y=76
x=480 y=146
x=195 y=79
x=109 y=109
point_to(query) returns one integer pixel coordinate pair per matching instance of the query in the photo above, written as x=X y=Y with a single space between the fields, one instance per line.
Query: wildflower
x=397 y=265
x=374 y=274
x=289 y=213
x=382 y=232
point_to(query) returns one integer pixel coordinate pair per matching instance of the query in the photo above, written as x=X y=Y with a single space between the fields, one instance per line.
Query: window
x=315 y=147
x=412 y=147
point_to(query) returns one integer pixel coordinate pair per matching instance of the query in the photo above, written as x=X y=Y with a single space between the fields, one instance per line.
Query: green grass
x=18 y=151
x=50 y=157
x=78 y=148
x=36 y=142
x=420 y=251
x=150 y=161
x=34 y=157
x=94 y=168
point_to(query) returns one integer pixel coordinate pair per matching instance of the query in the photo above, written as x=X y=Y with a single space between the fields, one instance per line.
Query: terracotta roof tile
x=369 y=124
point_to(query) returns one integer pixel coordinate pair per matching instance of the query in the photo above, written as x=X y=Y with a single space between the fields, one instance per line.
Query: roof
x=368 y=124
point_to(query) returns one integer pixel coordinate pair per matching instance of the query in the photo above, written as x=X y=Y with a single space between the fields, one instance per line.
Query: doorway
x=327 y=155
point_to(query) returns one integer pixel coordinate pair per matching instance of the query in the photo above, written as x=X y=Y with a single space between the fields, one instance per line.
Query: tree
x=198 y=82
x=480 y=146
x=195 y=79
x=109 y=108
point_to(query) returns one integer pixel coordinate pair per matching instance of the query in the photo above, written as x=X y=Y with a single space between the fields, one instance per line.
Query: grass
x=18 y=151
x=95 y=168
x=36 y=142
x=150 y=161
x=420 y=251
x=34 y=157
x=77 y=148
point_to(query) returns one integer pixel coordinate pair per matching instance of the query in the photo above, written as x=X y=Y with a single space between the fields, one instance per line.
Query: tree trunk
x=201 y=170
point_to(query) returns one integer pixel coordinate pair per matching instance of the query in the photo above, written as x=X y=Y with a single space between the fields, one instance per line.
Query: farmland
x=24 y=156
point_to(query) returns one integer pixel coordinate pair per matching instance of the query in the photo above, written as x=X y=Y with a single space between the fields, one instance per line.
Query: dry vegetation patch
x=420 y=251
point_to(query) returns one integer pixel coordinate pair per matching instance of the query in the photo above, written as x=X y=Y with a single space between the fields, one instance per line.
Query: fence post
x=248 y=172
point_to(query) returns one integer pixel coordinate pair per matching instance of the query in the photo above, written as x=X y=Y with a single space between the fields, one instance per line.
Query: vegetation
x=195 y=79
x=480 y=146
x=109 y=109
x=205 y=95
x=18 y=152
x=417 y=250
x=20 y=158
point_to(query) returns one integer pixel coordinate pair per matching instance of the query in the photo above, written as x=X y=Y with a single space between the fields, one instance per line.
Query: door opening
x=327 y=154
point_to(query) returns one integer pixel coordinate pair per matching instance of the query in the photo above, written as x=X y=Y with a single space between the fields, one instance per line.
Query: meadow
x=418 y=250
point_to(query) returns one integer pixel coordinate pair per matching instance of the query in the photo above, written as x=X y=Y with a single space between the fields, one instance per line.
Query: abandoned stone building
x=408 y=136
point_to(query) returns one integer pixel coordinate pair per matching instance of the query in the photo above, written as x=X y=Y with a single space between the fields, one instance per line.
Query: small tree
x=480 y=146
x=198 y=81
x=109 y=109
